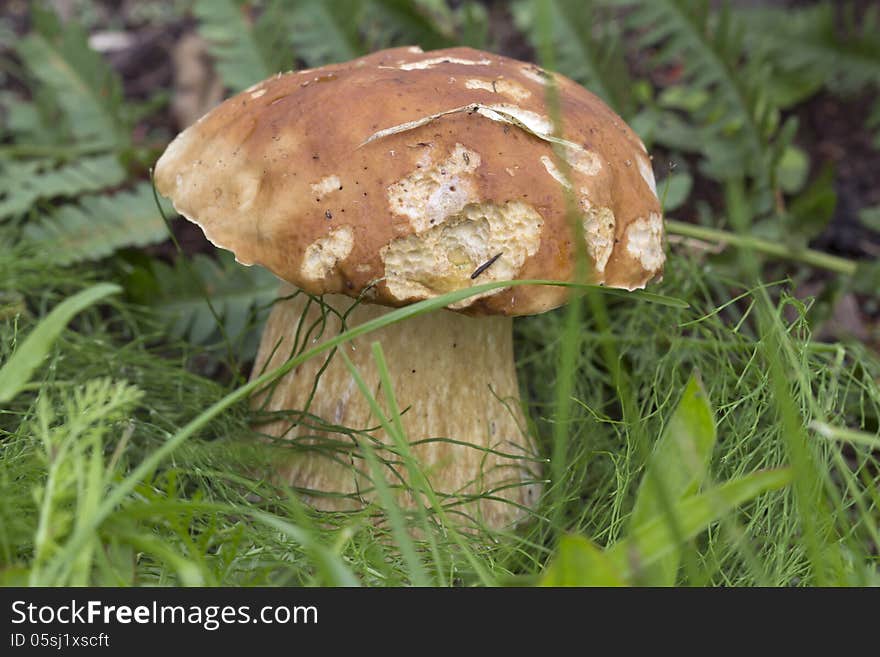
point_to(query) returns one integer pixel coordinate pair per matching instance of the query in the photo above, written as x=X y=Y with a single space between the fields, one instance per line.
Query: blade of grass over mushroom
x=392 y=510
x=417 y=479
x=676 y=468
x=582 y=267
x=17 y=371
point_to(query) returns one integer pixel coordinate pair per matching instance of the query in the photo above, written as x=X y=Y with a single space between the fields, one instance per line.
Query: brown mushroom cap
x=416 y=170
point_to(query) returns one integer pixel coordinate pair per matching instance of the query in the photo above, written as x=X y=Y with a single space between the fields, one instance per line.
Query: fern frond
x=406 y=22
x=31 y=122
x=24 y=182
x=272 y=31
x=85 y=88
x=472 y=21
x=738 y=118
x=74 y=434
x=234 y=291
x=586 y=49
x=234 y=42
x=325 y=32
x=845 y=58
x=98 y=225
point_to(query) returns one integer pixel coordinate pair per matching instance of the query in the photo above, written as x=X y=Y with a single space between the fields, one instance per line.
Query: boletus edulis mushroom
x=397 y=177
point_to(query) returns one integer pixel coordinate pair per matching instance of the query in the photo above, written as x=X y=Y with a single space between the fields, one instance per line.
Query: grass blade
x=332 y=566
x=649 y=543
x=386 y=496
x=17 y=371
x=676 y=468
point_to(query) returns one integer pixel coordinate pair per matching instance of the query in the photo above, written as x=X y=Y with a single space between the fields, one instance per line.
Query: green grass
x=81 y=507
x=696 y=434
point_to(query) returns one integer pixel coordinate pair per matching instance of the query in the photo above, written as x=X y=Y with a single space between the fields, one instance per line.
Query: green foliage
x=248 y=50
x=736 y=119
x=24 y=182
x=644 y=556
x=244 y=51
x=580 y=562
x=71 y=140
x=78 y=79
x=155 y=476
x=473 y=20
x=587 y=49
x=809 y=213
x=16 y=372
x=97 y=225
x=325 y=32
x=826 y=44
x=179 y=293
x=72 y=442
x=810 y=43
x=668 y=510
x=676 y=469
x=870 y=217
x=794 y=165
x=425 y=23
x=674 y=190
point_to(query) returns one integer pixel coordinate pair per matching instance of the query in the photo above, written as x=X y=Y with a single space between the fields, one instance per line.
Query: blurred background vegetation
x=763 y=120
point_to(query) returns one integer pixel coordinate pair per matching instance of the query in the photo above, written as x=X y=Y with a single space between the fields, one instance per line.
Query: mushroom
x=398 y=177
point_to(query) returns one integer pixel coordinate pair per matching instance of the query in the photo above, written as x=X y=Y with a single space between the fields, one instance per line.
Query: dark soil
x=833 y=130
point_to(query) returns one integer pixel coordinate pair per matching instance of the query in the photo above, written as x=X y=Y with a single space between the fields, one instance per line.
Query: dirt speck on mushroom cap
x=297 y=167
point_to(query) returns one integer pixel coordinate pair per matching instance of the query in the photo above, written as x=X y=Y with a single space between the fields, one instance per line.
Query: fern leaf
x=272 y=31
x=31 y=123
x=234 y=290
x=234 y=43
x=845 y=58
x=98 y=225
x=407 y=22
x=324 y=32
x=473 y=24
x=24 y=182
x=84 y=86
x=811 y=49
x=586 y=49
x=738 y=119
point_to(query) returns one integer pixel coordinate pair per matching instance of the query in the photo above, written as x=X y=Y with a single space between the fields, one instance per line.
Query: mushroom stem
x=455 y=383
